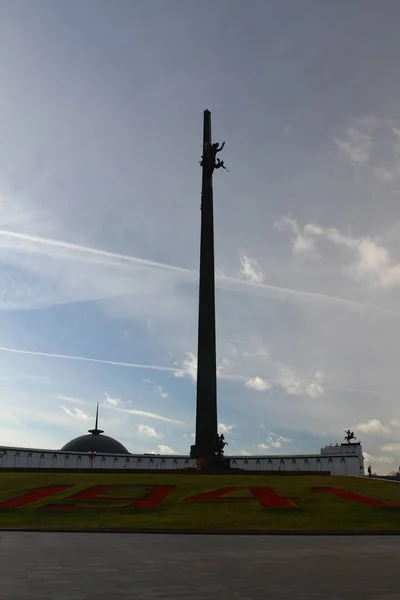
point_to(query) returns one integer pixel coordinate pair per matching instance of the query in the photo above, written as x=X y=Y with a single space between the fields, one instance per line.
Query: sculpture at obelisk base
x=209 y=446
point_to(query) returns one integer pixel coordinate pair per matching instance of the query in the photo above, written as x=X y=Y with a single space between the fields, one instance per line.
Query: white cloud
x=146 y=430
x=276 y=441
x=263 y=446
x=393 y=447
x=260 y=352
x=189 y=367
x=112 y=401
x=289 y=383
x=224 y=428
x=302 y=245
x=394 y=423
x=73 y=400
x=384 y=174
x=144 y=413
x=87 y=359
x=293 y=386
x=251 y=270
x=77 y=413
x=165 y=449
x=377 y=459
x=372 y=426
x=158 y=389
x=305 y=246
x=129 y=411
x=79 y=252
x=245 y=453
x=356 y=146
x=372 y=261
x=222 y=366
x=258 y=383
x=315 y=388
x=161 y=392
x=273 y=441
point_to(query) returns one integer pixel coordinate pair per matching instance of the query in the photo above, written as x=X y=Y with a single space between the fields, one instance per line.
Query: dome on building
x=95 y=442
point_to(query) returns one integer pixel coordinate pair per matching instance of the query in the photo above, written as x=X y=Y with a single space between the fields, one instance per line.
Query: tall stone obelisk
x=207 y=447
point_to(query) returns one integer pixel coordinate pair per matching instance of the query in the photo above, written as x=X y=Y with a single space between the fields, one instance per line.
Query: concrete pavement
x=80 y=566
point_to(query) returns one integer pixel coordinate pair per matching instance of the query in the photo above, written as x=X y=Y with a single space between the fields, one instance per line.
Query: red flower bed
x=93 y=493
x=266 y=496
x=33 y=496
x=152 y=499
x=352 y=497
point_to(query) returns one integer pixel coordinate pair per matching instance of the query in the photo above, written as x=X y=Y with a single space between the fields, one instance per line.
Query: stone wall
x=25 y=458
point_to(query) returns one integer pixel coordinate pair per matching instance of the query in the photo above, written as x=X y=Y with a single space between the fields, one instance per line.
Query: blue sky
x=101 y=125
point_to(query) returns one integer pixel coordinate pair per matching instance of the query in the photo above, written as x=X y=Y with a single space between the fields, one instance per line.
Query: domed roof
x=95 y=442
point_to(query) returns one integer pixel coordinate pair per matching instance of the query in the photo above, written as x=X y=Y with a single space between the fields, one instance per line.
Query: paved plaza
x=197 y=567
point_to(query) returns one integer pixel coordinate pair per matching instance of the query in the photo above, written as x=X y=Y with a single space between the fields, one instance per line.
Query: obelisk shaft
x=206 y=443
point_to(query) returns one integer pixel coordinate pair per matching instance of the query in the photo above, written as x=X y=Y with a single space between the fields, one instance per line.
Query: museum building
x=98 y=451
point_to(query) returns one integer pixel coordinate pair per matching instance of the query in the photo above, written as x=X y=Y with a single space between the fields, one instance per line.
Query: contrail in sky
x=238 y=285
x=93 y=360
x=177 y=371
x=87 y=250
x=131 y=411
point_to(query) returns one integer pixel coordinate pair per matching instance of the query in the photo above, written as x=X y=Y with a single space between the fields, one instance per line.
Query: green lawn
x=315 y=511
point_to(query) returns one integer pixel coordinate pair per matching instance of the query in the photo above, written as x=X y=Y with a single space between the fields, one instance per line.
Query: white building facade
x=341 y=459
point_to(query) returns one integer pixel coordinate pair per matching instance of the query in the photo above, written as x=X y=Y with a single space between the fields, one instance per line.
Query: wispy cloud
x=250 y=281
x=149 y=431
x=129 y=411
x=356 y=143
x=372 y=261
x=295 y=387
x=289 y=383
x=86 y=359
x=165 y=449
x=150 y=415
x=273 y=441
x=77 y=252
x=372 y=426
x=303 y=245
x=371 y=145
x=112 y=401
x=189 y=367
x=158 y=389
x=393 y=447
x=258 y=383
x=77 y=413
x=369 y=459
x=251 y=270
x=225 y=428
x=284 y=293
x=73 y=400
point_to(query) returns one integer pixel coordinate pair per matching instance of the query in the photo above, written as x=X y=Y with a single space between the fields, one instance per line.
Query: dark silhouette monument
x=209 y=446
x=349 y=437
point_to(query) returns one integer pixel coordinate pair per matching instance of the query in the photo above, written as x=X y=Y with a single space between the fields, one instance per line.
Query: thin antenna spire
x=96 y=430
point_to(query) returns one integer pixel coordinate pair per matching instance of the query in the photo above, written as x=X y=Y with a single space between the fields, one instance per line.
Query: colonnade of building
x=338 y=460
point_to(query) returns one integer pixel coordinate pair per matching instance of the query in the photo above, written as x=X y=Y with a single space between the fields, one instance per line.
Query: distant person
x=369 y=471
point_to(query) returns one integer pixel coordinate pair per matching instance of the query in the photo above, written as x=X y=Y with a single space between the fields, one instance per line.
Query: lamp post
x=92 y=455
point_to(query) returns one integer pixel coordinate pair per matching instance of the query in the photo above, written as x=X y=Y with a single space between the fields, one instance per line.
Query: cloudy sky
x=101 y=125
